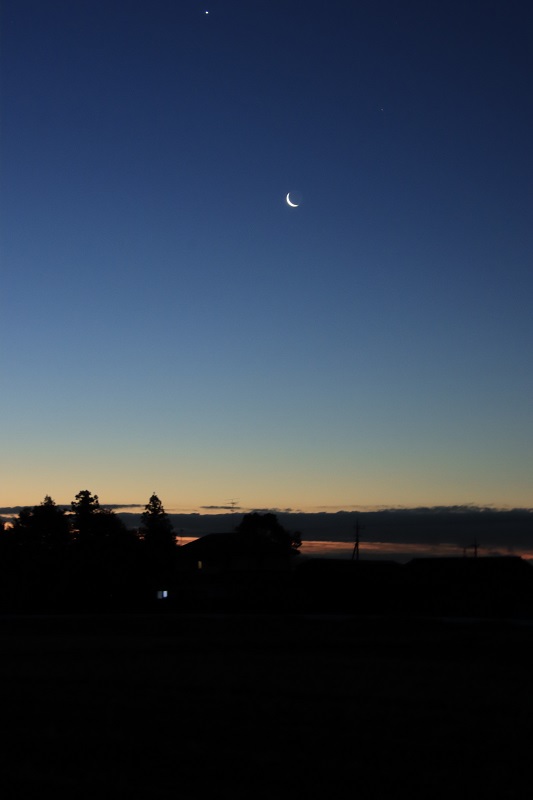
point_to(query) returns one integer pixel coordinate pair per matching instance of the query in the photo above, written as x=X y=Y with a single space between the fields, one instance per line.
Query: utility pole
x=355 y=554
x=473 y=546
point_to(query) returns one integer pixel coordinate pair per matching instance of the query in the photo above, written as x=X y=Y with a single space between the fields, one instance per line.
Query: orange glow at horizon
x=394 y=551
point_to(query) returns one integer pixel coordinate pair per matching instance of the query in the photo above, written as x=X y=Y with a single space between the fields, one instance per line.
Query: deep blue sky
x=169 y=323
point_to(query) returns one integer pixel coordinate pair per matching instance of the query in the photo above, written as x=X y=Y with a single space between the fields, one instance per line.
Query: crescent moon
x=288 y=199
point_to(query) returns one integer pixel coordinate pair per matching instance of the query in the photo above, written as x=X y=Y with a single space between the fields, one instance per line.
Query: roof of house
x=221 y=546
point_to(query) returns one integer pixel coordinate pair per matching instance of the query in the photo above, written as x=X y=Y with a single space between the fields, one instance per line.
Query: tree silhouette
x=156 y=527
x=43 y=525
x=266 y=529
x=35 y=557
x=104 y=566
x=84 y=507
x=93 y=523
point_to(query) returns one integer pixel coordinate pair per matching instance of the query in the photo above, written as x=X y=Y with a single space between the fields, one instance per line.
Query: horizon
x=399 y=534
x=228 y=510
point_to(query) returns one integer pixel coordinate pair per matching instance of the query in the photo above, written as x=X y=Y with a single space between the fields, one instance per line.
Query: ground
x=258 y=706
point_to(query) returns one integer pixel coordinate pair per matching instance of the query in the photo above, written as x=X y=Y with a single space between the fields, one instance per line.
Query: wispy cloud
x=10 y=511
x=123 y=505
x=222 y=508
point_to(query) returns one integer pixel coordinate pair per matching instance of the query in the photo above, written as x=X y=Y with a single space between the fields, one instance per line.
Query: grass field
x=260 y=706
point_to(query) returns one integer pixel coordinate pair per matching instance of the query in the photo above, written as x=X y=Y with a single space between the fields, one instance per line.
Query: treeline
x=83 y=558
x=86 y=559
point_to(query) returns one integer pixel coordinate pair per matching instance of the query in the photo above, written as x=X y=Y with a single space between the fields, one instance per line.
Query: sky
x=169 y=323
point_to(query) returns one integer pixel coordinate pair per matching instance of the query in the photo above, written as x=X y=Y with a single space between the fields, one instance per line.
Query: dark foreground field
x=162 y=706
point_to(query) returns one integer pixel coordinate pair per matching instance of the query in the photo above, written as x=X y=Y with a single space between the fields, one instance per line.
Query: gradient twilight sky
x=169 y=324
